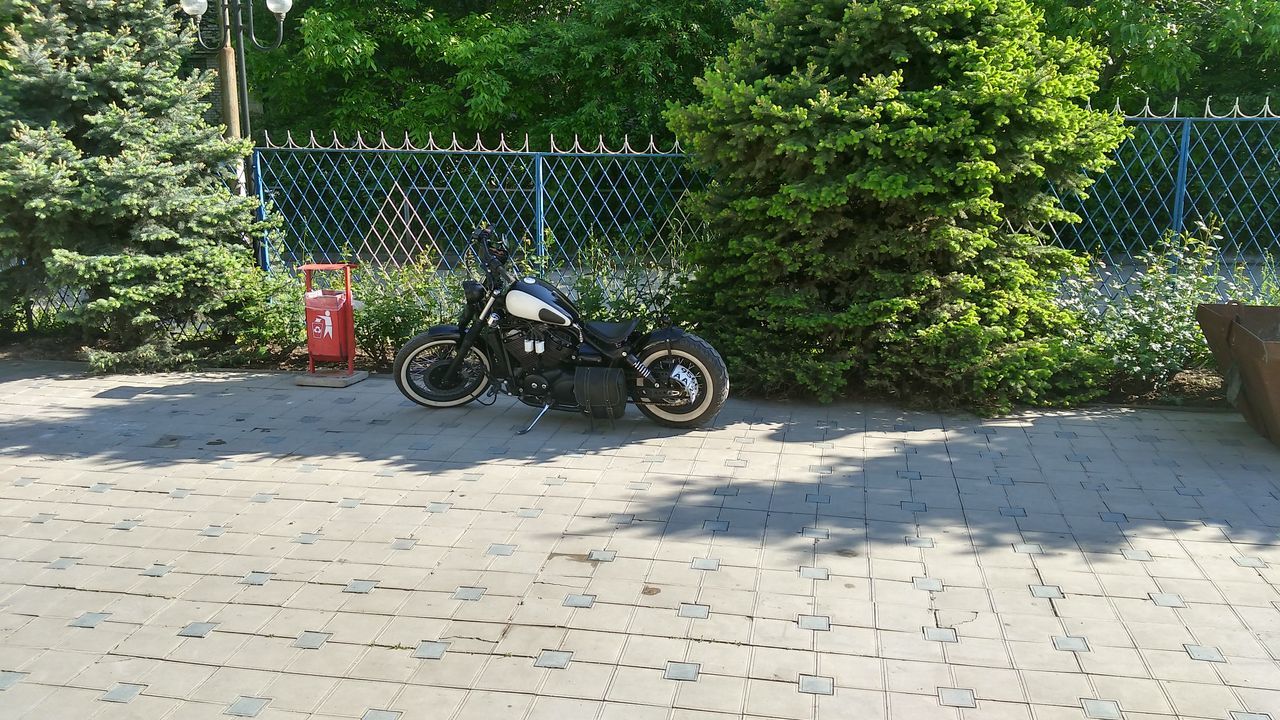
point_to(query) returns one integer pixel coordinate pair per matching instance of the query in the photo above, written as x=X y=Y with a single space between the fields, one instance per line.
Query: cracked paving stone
x=431 y=650
x=816 y=685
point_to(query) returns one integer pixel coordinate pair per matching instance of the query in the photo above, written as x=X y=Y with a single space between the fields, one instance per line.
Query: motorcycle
x=524 y=337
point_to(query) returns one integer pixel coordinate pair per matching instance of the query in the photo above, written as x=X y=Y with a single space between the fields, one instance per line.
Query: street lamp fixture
x=235 y=26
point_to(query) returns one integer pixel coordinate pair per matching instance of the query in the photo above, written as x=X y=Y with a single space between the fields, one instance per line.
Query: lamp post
x=235 y=26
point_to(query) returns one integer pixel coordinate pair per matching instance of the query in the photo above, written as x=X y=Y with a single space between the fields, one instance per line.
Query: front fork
x=472 y=331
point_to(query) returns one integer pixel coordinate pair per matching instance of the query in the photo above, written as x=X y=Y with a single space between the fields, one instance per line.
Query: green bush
x=612 y=288
x=399 y=303
x=112 y=183
x=877 y=170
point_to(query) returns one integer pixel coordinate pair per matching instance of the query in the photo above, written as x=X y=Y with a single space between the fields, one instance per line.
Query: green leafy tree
x=608 y=67
x=112 y=183
x=878 y=168
x=1187 y=49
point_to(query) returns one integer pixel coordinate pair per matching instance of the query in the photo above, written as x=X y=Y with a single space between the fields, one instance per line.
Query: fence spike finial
x=337 y=144
x=602 y=148
x=1266 y=108
x=1174 y=113
x=454 y=144
x=1208 y=106
x=479 y=146
x=266 y=138
x=359 y=143
x=553 y=142
x=526 y=142
x=1117 y=109
x=382 y=140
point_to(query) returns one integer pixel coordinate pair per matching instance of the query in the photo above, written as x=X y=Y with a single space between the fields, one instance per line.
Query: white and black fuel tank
x=537 y=300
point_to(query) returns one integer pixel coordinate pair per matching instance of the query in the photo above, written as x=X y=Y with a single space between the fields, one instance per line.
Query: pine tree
x=112 y=183
x=881 y=168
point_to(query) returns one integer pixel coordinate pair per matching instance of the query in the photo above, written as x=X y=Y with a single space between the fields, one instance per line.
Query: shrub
x=877 y=169
x=1145 y=325
x=612 y=288
x=112 y=183
x=399 y=303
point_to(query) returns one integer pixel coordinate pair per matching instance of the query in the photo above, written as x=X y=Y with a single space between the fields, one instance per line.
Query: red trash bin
x=331 y=330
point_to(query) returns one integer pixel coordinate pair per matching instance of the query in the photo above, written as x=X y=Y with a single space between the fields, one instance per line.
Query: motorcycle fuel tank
x=535 y=300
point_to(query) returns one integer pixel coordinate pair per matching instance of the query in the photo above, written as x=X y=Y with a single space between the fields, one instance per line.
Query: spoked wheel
x=422 y=365
x=691 y=362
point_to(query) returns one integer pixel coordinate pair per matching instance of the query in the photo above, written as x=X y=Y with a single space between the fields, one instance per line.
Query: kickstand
x=544 y=410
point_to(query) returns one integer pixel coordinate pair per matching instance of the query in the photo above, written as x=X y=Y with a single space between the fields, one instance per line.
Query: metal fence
x=1176 y=173
x=392 y=206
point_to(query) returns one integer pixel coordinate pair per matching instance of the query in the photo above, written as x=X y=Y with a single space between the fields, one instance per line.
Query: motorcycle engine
x=545 y=373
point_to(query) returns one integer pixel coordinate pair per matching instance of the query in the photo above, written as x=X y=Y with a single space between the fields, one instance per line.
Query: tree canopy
x=605 y=67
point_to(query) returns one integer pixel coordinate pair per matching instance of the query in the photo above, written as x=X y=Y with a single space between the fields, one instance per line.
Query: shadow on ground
x=842 y=476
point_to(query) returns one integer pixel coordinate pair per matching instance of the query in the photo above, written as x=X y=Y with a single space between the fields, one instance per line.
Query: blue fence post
x=1180 y=185
x=539 y=212
x=264 y=254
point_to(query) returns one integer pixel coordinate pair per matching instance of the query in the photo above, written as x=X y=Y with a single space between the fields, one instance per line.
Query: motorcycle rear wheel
x=699 y=365
x=420 y=366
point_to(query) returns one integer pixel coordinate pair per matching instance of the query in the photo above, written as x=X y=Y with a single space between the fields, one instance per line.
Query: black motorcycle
x=523 y=337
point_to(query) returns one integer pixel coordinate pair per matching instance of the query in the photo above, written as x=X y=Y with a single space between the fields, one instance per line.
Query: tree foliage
x=1166 y=49
x=605 y=67
x=112 y=184
x=879 y=167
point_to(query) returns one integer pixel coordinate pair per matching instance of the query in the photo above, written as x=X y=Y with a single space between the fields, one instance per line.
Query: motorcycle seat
x=612 y=333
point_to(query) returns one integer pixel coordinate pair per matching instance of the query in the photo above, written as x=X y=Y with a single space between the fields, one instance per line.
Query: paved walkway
x=204 y=545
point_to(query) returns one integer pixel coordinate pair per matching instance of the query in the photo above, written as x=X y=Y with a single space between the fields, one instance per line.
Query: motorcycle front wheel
x=421 y=366
x=697 y=366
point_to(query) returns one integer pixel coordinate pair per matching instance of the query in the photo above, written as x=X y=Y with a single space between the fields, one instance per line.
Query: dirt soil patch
x=1197 y=388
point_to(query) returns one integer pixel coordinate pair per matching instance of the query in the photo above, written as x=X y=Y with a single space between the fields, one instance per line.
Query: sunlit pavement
x=228 y=544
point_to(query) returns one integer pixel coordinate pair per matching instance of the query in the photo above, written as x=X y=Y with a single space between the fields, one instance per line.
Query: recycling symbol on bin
x=323 y=325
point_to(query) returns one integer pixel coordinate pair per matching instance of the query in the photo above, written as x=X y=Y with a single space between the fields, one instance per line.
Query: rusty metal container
x=1245 y=341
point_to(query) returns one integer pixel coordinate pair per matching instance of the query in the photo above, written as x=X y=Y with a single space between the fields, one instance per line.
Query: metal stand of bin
x=331 y=330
